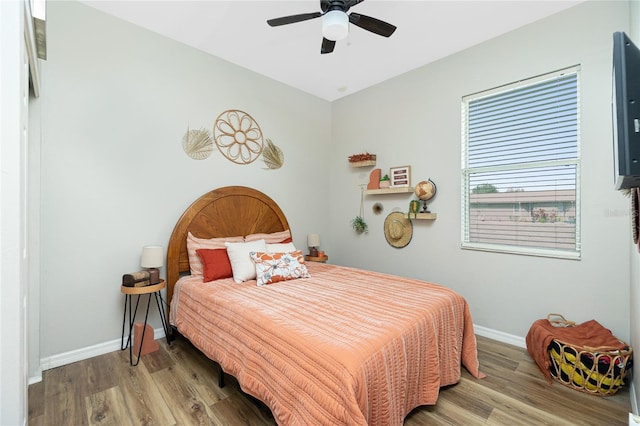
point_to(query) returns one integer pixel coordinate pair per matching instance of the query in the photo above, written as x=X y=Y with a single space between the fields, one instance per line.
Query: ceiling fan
x=335 y=22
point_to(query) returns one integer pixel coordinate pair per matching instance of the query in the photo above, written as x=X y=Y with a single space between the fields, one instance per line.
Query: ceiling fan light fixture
x=335 y=25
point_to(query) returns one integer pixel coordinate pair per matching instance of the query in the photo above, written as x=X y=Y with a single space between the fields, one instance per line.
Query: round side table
x=129 y=292
x=321 y=259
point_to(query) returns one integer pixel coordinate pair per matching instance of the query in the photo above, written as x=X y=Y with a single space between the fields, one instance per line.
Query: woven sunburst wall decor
x=197 y=144
x=238 y=136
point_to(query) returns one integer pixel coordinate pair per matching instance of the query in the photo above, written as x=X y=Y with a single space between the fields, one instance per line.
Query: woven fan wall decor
x=272 y=155
x=197 y=143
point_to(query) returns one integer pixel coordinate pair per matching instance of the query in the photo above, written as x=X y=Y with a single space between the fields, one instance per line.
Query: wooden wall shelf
x=426 y=216
x=400 y=190
x=363 y=163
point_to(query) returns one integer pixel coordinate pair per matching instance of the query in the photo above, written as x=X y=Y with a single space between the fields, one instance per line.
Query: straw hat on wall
x=398 y=229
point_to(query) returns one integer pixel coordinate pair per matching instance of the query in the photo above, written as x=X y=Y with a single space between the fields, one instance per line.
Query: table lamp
x=313 y=241
x=152 y=260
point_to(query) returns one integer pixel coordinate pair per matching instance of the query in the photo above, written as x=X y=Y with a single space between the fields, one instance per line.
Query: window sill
x=526 y=251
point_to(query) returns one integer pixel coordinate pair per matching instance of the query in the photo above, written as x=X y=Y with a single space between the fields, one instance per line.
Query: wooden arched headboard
x=224 y=212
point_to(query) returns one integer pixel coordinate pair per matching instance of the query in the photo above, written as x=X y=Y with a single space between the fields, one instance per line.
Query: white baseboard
x=500 y=336
x=65 y=358
x=114 y=345
x=37 y=377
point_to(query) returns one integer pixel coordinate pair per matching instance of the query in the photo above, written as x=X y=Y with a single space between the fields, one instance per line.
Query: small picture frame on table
x=400 y=176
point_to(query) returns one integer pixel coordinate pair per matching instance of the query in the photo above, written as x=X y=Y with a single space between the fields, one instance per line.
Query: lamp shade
x=151 y=257
x=335 y=25
x=313 y=240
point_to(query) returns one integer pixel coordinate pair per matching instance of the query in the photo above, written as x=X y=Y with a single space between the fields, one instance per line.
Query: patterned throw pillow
x=274 y=267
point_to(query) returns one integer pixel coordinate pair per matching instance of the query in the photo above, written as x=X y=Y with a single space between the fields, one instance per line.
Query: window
x=521 y=167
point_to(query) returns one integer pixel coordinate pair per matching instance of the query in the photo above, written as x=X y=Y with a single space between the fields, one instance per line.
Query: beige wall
x=117 y=99
x=116 y=102
x=415 y=119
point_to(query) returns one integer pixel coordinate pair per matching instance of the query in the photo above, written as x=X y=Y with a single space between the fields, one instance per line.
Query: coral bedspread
x=344 y=347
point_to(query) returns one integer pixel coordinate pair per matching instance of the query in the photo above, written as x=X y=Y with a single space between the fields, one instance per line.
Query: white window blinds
x=521 y=167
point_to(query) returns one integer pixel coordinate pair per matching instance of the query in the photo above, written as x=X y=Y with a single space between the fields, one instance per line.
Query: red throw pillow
x=286 y=240
x=216 y=264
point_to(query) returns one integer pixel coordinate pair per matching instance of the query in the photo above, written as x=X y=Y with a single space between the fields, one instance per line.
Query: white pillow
x=280 y=248
x=241 y=263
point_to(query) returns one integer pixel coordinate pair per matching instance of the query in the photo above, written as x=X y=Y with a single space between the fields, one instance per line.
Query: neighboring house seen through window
x=521 y=167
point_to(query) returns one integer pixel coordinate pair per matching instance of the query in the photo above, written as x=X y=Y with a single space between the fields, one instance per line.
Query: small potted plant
x=385 y=182
x=359 y=225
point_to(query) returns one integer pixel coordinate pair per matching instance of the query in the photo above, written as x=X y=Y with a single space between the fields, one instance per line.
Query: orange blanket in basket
x=590 y=333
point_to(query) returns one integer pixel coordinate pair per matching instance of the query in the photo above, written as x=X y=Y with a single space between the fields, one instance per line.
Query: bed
x=342 y=346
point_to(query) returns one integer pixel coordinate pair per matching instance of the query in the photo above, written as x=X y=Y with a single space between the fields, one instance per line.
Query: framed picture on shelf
x=400 y=176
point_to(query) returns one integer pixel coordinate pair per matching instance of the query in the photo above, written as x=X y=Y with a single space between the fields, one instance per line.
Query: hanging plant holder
x=358 y=223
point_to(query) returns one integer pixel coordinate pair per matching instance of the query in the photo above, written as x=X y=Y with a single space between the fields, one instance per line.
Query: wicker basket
x=598 y=371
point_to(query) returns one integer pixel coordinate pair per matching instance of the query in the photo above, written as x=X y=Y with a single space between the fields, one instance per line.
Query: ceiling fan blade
x=327 y=46
x=276 y=22
x=374 y=25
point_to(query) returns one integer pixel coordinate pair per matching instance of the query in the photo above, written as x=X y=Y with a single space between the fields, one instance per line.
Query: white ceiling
x=237 y=31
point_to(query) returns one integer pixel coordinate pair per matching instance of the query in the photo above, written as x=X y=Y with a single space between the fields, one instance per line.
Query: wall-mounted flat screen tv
x=625 y=106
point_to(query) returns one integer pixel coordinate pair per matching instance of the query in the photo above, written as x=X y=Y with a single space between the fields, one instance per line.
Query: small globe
x=425 y=190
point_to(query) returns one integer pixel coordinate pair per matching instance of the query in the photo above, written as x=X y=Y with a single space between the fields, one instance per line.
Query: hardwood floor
x=177 y=385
